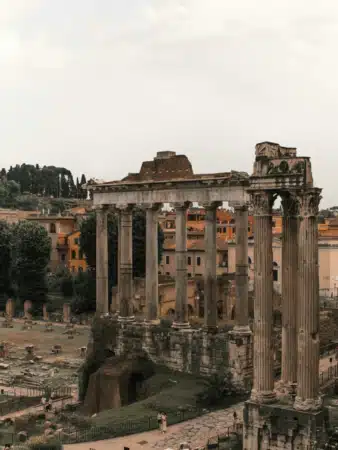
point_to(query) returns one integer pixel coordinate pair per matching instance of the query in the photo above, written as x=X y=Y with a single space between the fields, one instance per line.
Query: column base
x=309 y=404
x=264 y=397
x=149 y=323
x=181 y=326
x=128 y=319
x=241 y=329
x=286 y=392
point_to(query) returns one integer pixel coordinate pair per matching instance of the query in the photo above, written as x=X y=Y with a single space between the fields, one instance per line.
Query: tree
x=31 y=255
x=88 y=244
x=5 y=261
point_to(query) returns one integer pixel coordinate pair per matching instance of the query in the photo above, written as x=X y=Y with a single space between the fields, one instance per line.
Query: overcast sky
x=98 y=86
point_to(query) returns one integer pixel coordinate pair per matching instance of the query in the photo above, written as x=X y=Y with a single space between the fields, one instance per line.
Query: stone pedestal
x=288 y=381
x=45 y=313
x=308 y=397
x=272 y=427
x=126 y=266
x=210 y=264
x=102 y=260
x=263 y=379
x=152 y=261
x=66 y=312
x=181 y=306
x=240 y=358
x=10 y=308
x=27 y=307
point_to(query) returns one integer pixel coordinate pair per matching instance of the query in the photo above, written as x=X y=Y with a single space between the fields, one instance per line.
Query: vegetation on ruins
x=217 y=388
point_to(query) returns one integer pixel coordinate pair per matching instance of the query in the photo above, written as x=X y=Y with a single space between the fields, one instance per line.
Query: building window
x=80 y=270
x=76 y=241
x=80 y=254
x=167 y=259
x=168 y=274
x=234 y=230
x=198 y=260
x=249 y=261
x=63 y=257
x=52 y=228
x=189 y=275
x=189 y=260
x=73 y=254
x=275 y=275
x=249 y=229
x=274 y=224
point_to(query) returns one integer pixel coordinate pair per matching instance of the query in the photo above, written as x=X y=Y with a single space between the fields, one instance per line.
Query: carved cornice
x=262 y=203
x=309 y=202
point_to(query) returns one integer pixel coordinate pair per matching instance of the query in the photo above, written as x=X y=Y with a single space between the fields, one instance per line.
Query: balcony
x=62 y=243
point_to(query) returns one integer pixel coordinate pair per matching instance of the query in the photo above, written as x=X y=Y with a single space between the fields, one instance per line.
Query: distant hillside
x=31 y=187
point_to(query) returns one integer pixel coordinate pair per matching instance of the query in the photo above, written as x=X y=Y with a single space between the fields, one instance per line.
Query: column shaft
x=242 y=281
x=152 y=263
x=126 y=263
x=262 y=391
x=181 y=307
x=102 y=300
x=210 y=264
x=308 y=304
x=289 y=292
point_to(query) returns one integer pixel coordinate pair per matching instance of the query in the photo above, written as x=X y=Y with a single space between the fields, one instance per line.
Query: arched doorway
x=135 y=382
x=233 y=313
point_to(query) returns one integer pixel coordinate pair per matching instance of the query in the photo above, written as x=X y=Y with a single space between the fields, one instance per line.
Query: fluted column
x=126 y=263
x=263 y=387
x=308 y=397
x=289 y=293
x=152 y=261
x=242 y=280
x=181 y=306
x=210 y=264
x=102 y=300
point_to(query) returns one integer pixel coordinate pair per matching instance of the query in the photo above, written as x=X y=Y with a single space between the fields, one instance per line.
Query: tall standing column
x=210 y=264
x=181 y=306
x=152 y=261
x=308 y=397
x=289 y=294
x=126 y=263
x=242 y=280
x=263 y=387
x=102 y=300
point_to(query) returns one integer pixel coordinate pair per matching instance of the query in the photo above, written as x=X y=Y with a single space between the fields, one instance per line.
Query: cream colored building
x=327 y=257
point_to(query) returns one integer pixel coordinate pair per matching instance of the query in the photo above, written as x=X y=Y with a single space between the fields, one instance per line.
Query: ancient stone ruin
x=169 y=178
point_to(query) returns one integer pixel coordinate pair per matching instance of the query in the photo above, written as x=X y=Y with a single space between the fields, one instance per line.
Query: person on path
x=164 y=422
x=159 y=421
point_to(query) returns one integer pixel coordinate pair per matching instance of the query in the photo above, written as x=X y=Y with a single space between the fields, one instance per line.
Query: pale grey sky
x=98 y=86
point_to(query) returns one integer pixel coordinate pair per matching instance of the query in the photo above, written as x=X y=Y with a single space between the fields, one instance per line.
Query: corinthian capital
x=262 y=203
x=290 y=205
x=309 y=202
x=211 y=205
x=181 y=205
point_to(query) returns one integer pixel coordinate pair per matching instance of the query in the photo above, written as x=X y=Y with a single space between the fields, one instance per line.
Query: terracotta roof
x=196 y=245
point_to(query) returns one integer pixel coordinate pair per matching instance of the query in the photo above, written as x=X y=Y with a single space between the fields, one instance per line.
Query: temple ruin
x=286 y=415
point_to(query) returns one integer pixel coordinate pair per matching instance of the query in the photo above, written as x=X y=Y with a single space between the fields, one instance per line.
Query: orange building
x=76 y=259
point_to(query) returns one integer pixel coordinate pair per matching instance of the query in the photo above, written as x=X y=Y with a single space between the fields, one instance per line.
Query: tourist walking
x=164 y=422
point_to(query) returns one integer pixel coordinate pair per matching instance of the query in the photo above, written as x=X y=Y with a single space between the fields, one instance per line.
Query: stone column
x=152 y=262
x=289 y=295
x=27 y=306
x=308 y=397
x=242 y=280
x=181 y=306
x=66 y=312
x=263 y=382
x=126 y=264
x=210 y=264
x=102 y=301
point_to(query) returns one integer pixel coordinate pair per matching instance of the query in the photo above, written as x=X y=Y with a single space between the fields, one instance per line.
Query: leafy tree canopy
x=31 y=255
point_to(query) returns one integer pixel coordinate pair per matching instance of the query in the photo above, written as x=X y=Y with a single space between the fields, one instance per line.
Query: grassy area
x=166 y=391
